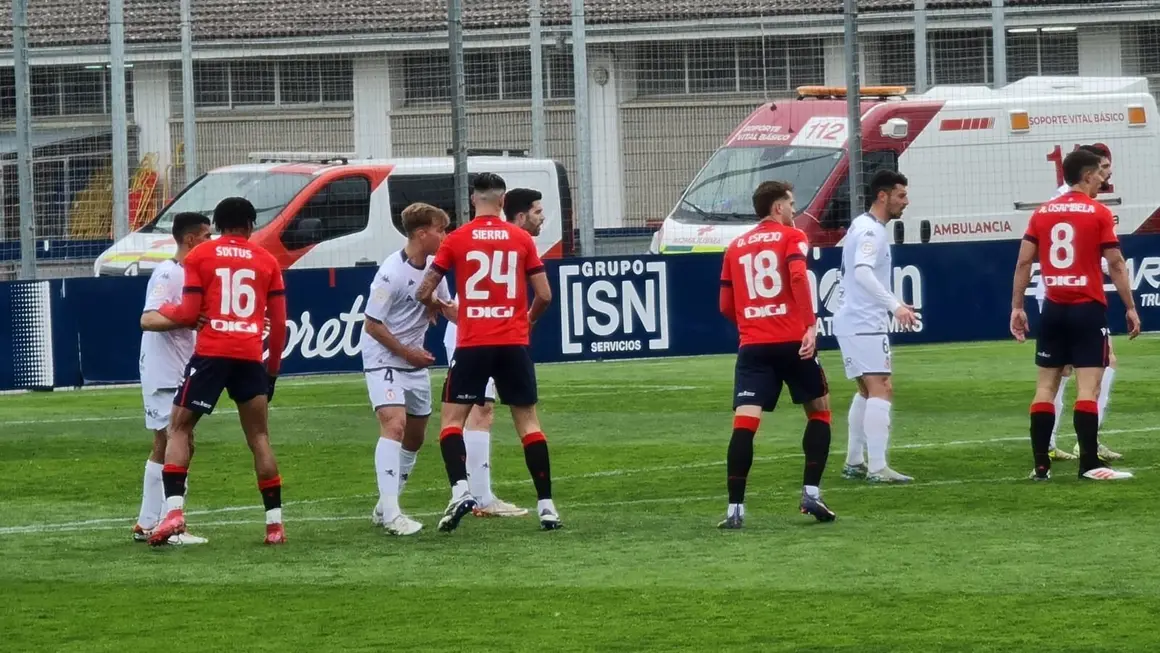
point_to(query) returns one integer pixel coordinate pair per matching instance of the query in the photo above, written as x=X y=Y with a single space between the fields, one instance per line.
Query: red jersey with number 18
x=757 y=268
x=231 y=282
x=1072 y=232
x=492 y=260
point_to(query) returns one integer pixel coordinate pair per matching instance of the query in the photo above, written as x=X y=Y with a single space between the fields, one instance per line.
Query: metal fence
x=108 y=109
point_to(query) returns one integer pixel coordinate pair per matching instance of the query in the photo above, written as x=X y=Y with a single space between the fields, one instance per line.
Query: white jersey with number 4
x=860 y=312
x=164 y=354
x=393 y=302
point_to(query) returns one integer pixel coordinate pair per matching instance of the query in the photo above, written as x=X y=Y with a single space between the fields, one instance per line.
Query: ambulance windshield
x=723 y=191
x=269 y=192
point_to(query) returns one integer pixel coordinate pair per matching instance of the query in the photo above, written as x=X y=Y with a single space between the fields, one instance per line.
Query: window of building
x=960 y=56
x=64 y=91
x=489 y=75
x=267 y=83
x=714 y=67
x=1049 y=51
x=894 y=54
x=1147 y=49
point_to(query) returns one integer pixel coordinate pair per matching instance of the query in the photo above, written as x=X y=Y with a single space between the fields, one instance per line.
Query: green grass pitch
x=971 y=557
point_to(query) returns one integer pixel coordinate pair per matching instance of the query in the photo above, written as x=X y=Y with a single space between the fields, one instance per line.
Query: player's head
x=235 y=216
x=487 y=191
x=888 y=193
x=1102 y=151
x=774 y=200
x=425 y=225
x=1081 y=171
x=190 y=230
x=523 y=208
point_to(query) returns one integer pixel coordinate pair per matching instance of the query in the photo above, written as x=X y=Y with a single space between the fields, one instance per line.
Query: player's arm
x=1118 y=271
x=186 y=313
x=867 y=252
x=1028 y=252
x=444 y=261
x=448 y=308
x=276 y=314
x=374 y=325
x=799 y=279
x=152 y=320
x=537 y=280
x=725 y=302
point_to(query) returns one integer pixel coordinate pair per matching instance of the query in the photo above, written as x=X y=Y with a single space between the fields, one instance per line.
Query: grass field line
x=87 y=527
x=98 y=524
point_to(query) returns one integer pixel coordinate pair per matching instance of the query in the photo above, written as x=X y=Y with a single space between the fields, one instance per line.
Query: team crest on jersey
x=390 y=395
x=868 y=248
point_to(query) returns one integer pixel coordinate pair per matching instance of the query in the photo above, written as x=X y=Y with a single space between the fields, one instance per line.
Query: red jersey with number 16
x=492 y=260
x=760 y=271
x=1072 y=232
x=231 y=282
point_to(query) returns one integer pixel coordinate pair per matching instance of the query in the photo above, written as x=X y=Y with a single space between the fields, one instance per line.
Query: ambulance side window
x=340 y=208
x=837 y=213
x=438 y=190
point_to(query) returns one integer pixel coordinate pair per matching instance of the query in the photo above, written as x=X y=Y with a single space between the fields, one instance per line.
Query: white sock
x=175 y=503
x=274 y=516
x=459 y=491
x=737 y=509
x=1105 y=392
x=478 y=445
x=152 y=496
x=877 y=432
x=813 y=491
x=387 y=473
x=856 y=442
x=1058 y=411
x=545 y=504
x=406 y=464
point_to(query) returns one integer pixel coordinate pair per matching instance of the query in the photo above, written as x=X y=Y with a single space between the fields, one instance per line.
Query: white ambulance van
x=978 y=160
x=320 y=210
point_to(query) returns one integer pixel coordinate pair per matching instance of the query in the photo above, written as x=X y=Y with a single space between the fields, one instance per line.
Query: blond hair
x=420 y=215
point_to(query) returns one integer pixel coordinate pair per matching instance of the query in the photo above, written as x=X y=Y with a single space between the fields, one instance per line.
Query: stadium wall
x=72 y=332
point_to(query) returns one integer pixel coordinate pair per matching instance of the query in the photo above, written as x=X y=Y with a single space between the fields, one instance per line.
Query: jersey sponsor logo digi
x=1066 y=280
x=490 y=312
x=617 y=306
x=769 y=310
x=233 y=326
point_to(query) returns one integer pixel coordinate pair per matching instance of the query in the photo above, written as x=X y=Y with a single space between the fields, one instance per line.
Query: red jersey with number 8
x=230 y=281
x=492 y=260
x=1072 y=232
x=757 y=269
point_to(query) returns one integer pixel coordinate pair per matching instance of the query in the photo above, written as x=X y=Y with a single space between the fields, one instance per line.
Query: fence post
x=120 y=120
x=999 y=43
x=853 y=109
x=583 y=140
x=458 y=108
x=539 y=129
x=24 y=139
x=188 y=117
x=921 y=74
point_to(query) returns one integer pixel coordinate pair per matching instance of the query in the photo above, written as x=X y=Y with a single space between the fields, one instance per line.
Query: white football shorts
x=869 y=354
x=410 y=389
x=158 y=406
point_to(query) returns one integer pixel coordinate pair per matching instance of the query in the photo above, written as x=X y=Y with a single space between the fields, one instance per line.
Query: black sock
x=539 y=466
x=1042 y=422
x=173 y=478
x=1086 y=419
x=271 y=490
x=816 y=446
x=454 y=454
x=740 y=458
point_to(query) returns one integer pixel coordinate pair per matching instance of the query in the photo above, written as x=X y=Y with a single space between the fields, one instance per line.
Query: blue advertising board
x=85 y=331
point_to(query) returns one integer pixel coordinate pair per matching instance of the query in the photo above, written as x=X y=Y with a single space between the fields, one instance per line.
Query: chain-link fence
x=666 y=87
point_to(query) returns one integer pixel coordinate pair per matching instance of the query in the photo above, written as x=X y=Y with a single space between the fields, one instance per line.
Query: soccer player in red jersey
x=234 y=286
x=1070 y=235
x=766 y=293
x=494 y=263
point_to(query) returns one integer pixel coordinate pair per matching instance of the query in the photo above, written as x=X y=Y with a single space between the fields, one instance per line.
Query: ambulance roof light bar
x=836 y=92
x=302 y=157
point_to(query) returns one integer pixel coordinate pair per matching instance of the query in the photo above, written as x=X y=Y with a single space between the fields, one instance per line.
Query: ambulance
x=325 y=210
x=978 y=160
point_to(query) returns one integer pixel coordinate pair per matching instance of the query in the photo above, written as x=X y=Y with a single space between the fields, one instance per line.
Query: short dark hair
x=420 y=215
x=520 y=200
x=187 y=222
x=769 y=193
x=1079 y=163
x=884 y=181
x=486 y=181
x=234 y=213
x=1097 y=149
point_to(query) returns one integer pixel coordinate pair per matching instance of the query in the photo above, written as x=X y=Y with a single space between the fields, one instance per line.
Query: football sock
x=536 y=456
x=813 y=490
x=545 y=504
x=406 y=464
x=478 y=445
x=736 y=509
x=387 y=475
x=877 y=432
x=1086 y=419
x=1106 y=392
x=1058 y=410
x=271 y=490
x=1042 y=430
x=856 y=441
x=740 y=456
x=454 y=454
x=152 y=496
x=816 y=446
x=173 y=478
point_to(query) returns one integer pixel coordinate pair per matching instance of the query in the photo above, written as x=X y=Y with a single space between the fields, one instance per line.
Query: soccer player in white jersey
x=862 y=323
x=165 y=350
x=395 y=362
x=522 y=207
x=1105 y=454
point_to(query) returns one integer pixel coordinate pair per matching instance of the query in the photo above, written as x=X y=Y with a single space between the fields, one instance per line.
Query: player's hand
x=270 y=391
x=418 y=357
x=906 y=317
x=809 y=344
x=1133 y=319
x=1019 y=324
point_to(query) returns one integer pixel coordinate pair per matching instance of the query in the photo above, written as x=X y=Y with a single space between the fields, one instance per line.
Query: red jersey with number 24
x=1072 y=232
x=757 y=269
x=231 y=281
x=492 y=260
